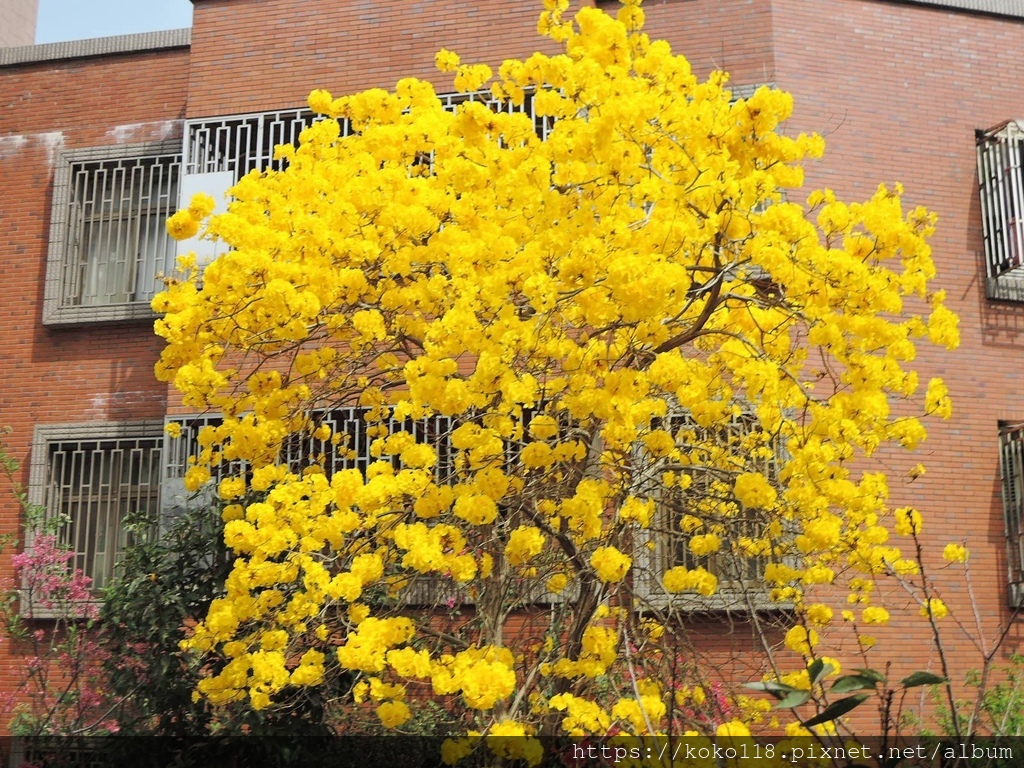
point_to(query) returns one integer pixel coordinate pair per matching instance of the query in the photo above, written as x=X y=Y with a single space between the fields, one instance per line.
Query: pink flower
x=46 y=574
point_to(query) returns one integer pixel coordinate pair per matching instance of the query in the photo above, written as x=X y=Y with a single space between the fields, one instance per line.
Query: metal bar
x=95 y=484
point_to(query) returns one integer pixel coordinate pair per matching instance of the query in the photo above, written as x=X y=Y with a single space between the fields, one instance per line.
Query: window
x=353 y=451
x=108 y=242
x=91 y=476
x=1001 y=184
x=238 y=144
x=1011 y=452
x=542 y=125
x=219 y=151
x=302 y=450
x=704 y=503
x=299 y=451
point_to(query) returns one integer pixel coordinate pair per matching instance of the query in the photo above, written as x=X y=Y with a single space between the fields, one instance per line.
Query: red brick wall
x=67 y=374
x=898 y=91
x=87 y=98
x=730 y=35
x=95 y=373
x=255 y=56
x=248 y=57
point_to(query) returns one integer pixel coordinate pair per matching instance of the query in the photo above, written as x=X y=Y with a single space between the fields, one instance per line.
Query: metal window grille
x=1001 y=185
x=178 y=453
x=352 y=451
x=243 y=143
x=93 y=485
x=716 y=455
x=542 y=125
x=711 y=488
x=116 y=241
x=302 y=450
x=1011 y=453
x=179 y=450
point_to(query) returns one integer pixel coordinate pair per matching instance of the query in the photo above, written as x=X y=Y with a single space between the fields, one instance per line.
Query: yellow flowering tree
x=608 y=368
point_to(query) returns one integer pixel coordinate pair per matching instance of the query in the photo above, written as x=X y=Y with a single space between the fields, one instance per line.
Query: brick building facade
x=900 y=91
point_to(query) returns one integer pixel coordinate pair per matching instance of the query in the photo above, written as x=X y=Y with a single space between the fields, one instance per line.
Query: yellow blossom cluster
x=483 y=676
x=683 y=579
x=955 y=553
x=186 y=222
x=598 y=357
x=610 y=564
x=934 y=608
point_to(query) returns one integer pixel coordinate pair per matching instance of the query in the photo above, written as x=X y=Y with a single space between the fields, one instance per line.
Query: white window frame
x=45 y=496
x=65 y=288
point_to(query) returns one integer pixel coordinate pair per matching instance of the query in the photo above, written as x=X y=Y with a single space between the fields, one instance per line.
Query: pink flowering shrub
x=61 y=691
x=49 y=582
x=58 y=658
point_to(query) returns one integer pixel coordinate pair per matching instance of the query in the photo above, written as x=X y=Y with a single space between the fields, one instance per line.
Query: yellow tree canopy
x=603 y=364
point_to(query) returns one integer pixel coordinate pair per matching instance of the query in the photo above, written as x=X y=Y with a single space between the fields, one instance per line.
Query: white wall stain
x=99 y=405
x=11 y=145
x=53 y=143
x=151 y=131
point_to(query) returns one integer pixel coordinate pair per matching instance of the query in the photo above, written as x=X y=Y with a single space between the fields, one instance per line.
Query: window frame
x=1011 y=476
x=425 y=590
x=57 y=306
x=654 y=552
x=1000 y=155
x=46 y=435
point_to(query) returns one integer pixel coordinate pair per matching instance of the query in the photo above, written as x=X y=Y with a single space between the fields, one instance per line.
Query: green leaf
x=778 y=690
x=848 y=683
x=922 y=678
x=836 y=710
x=819 y=670
x=794 y=699
x=872 y=674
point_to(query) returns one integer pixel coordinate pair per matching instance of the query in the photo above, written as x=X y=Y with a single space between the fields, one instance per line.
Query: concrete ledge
x=1013 y=8
x=97 y=46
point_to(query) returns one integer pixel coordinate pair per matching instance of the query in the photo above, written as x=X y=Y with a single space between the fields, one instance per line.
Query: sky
x=61 y=20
